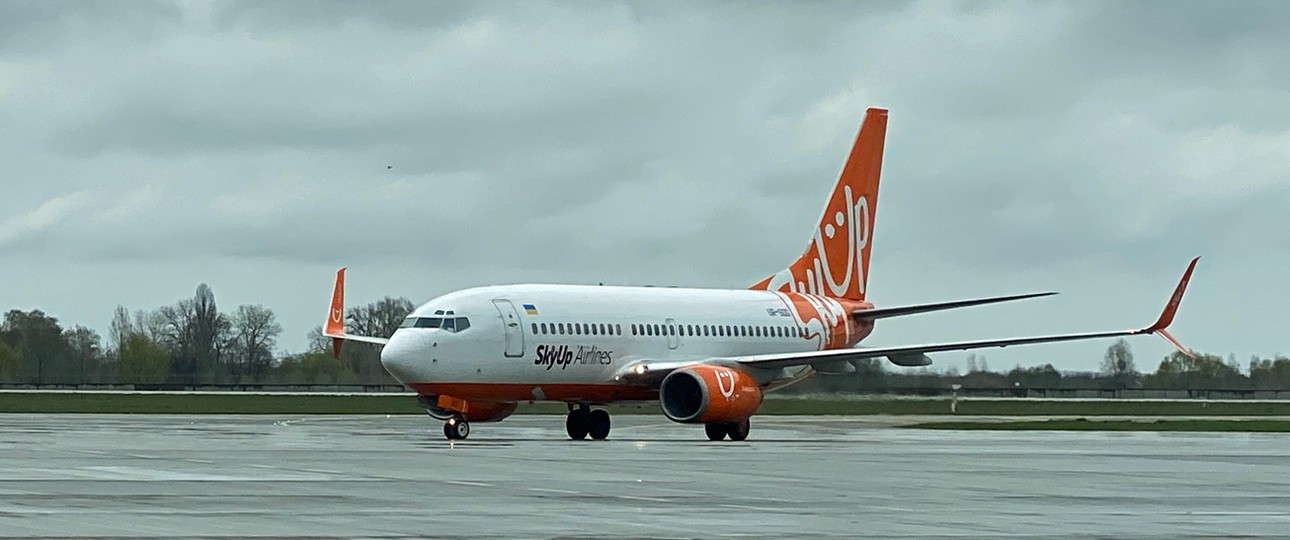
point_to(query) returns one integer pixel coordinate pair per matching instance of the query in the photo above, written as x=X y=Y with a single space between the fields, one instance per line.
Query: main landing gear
x=456 y=428
x=583 y=421
x=737 y=431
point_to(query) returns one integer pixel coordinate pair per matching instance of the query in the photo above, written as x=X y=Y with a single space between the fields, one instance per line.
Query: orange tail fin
x=336 y=315
x=836 y=263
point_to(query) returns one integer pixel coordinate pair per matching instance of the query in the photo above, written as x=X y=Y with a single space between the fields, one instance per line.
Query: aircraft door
x=673 y=334
x=511 y=323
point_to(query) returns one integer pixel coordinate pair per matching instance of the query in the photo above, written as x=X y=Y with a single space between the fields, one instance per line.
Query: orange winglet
x=1171 y=309
x=336 y=315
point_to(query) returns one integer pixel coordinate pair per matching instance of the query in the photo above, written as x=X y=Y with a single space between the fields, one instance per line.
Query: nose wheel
x=583 y=422
x=456 y=428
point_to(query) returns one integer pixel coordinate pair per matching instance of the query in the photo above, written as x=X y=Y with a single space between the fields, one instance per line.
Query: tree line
x=192 y=342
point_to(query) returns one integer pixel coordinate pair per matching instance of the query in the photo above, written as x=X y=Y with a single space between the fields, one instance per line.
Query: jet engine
x=471 y=411
x=709 y=394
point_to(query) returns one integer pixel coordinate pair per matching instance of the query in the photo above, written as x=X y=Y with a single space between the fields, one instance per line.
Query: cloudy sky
x=1088 y=148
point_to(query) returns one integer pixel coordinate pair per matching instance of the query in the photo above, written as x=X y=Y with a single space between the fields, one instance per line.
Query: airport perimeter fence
x=912 y=392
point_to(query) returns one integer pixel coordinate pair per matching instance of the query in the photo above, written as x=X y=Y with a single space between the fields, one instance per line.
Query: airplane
x=705 y=356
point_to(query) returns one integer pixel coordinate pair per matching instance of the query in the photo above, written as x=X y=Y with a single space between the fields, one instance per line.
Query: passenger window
x=560 y=328
x=450 y=325
x=535 y=329
x=633 y=329
x=543 y=328
x=671 y=330
x=462 y=323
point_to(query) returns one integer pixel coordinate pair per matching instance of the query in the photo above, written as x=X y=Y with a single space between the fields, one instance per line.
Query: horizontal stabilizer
x=881 y=313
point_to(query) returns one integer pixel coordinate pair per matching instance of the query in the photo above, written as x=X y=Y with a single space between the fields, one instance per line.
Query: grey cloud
x=663 y=143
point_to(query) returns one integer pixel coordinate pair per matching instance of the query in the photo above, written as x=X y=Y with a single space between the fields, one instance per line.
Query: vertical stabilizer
x=836 y=263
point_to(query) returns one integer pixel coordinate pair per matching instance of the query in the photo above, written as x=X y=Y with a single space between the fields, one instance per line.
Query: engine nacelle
x=707 y=394
x=445 y=407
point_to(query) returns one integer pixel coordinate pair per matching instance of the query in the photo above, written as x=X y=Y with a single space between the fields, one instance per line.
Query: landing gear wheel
x=738 y=431
x=598 y=424
x=715 y=431
x=576 y=425
x=456 y=429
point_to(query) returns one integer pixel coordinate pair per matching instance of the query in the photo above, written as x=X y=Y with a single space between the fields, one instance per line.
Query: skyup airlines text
x=564 y=356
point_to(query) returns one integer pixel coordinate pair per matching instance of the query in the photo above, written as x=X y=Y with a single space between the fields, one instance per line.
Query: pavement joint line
x=467 y=483
x=552 y=490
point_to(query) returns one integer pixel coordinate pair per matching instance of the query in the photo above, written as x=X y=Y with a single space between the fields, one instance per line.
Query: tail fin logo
x=836 y=262
x=832 y=266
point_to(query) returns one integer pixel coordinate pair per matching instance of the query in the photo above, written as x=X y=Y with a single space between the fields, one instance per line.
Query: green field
x=1084 y=424
x=41 y=402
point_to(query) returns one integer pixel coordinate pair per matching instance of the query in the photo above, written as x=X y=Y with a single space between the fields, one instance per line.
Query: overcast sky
x=1087 y=148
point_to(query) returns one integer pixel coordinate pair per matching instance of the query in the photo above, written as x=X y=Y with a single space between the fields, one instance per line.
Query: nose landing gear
x=456 y=428
x=582 y=421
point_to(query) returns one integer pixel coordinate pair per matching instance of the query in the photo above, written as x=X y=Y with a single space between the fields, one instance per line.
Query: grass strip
x=1085 y=424
x=143 y=403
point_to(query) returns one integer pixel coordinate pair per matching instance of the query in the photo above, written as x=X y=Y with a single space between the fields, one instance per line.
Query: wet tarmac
x=108 y=476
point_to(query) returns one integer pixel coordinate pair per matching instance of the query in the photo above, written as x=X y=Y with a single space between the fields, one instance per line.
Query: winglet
x=336 y=316
x=1171 y=309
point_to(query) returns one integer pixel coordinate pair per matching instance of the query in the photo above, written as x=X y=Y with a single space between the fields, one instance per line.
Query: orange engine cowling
x=709 y=394
x=445 y=407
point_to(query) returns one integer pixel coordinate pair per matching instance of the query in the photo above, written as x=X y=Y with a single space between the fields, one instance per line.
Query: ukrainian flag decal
x=530 y=309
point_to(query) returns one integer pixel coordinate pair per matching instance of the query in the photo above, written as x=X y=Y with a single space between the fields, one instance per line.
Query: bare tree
x=380 y=318
x=196 y=333
x=1118 y=360
x=318 y=343
x=86 y=350
x=121 y=328
x=255 y=332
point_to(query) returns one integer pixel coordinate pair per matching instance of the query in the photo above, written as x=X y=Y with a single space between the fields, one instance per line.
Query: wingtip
x=1171 y=308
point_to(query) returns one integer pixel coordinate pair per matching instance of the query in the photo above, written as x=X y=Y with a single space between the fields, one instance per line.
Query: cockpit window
x=451 y=324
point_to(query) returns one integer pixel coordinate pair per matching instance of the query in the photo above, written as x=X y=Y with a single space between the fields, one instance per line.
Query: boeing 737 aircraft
x=706 y=356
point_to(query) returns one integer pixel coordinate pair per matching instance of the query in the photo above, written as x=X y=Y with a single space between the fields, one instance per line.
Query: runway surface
x=796 y=477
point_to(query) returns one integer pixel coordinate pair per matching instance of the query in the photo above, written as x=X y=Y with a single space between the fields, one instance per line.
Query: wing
x=335 y=327
x=882 y=313
x=915 y=355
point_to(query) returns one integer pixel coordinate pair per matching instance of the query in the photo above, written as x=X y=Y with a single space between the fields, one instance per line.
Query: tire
x=598 y=424
x=576 y=424
x=456 y=429
x=715 y=431
x=739 y=430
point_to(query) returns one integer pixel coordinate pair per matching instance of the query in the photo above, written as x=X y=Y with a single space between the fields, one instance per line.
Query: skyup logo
x=565 y=356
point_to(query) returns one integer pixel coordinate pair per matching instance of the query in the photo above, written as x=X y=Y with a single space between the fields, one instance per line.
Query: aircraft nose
x=399 y=357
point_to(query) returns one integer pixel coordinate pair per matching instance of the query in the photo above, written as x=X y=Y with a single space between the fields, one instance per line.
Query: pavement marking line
x=142 y=456
x=640 y=498
x=259 y=466
x=753 y=508
x=467 y=483
x=202 y=461
x=323 y=471
x=549 y=490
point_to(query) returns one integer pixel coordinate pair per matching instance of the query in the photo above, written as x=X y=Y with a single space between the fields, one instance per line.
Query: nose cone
x=399 y=357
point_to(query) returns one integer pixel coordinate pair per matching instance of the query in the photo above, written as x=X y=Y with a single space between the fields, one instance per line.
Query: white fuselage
x=568 y=343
